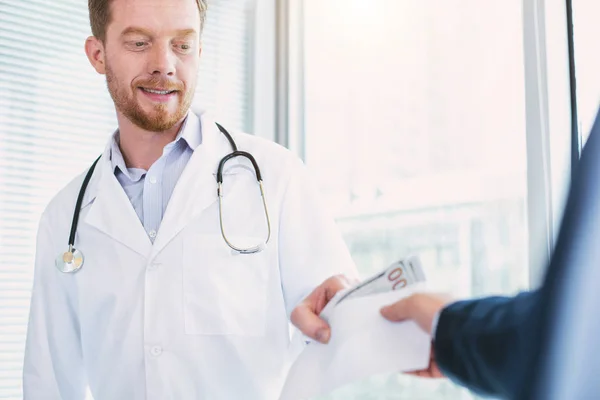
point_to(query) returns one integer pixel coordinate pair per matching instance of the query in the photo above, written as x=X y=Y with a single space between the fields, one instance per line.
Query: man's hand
x=306 y=315
x=421 y=308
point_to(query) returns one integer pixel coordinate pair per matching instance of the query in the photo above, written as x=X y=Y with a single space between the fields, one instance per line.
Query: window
x=56 y=116
x=414 y=123
x=587 y=64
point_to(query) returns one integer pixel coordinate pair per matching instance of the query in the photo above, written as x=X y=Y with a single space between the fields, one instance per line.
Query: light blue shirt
x=150 y=191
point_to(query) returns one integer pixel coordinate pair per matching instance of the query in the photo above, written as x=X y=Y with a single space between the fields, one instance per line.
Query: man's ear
x=94 y=49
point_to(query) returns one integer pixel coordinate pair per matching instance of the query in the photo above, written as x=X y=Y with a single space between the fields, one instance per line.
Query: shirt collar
x=190 y=133
x=118 y=162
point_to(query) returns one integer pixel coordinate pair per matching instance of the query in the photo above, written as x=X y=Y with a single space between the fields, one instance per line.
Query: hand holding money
x=399 y=275
x=305 y=315
x=361 y=340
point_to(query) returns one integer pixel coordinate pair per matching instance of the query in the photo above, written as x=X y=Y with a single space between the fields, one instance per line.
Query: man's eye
x=185 y=47
x=140 y=44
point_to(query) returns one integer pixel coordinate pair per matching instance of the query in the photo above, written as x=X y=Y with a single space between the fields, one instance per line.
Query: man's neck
x=141 y=148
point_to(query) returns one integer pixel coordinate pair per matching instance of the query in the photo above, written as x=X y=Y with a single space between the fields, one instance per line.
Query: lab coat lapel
x=112 y=213
x=196 y=189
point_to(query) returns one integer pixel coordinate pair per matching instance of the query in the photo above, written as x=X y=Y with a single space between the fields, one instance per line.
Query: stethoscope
x=72 y=260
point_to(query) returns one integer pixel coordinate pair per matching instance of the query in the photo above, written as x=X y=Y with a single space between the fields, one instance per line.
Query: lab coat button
x=156 y=351
x=153 y=266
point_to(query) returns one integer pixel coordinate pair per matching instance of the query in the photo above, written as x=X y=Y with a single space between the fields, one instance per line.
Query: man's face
x=152 y=51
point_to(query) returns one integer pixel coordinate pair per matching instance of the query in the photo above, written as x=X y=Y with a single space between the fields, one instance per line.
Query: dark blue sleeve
x=486 y=345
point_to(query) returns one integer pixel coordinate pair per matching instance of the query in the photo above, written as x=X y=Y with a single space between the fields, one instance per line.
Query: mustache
x=160 y=83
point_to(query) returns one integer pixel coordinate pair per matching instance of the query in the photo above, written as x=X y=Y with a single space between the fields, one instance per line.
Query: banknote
x=400 y=274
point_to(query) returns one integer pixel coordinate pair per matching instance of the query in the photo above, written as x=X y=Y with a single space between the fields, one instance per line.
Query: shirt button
x=156 y=351
x=152 y=179
x=152 y=233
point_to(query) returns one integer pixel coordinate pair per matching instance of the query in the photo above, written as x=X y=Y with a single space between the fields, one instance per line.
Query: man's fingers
x=319 y=298
x=425 y=374
x=436 y=372
x=398 y=311
x=433 y=371
x=306 y=315
x=304 y=318
x=334 y=285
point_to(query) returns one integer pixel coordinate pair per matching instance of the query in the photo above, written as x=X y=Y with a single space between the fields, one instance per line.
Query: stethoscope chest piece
x=69 y=261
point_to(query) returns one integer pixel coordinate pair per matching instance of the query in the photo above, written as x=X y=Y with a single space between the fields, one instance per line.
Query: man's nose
x=162 y=60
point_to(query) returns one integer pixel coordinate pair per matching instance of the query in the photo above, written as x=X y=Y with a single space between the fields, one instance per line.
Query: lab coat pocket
x=224 y=293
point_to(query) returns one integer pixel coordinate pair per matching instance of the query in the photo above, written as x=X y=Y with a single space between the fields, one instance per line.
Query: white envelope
x=362 y=344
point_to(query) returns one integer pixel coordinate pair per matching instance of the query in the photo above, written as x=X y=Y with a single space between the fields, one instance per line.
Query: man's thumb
x=397 y=312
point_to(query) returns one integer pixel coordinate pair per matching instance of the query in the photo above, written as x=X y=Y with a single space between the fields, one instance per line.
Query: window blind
x=55 y=118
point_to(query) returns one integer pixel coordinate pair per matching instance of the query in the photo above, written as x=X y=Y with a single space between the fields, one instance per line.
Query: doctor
x=163 y=307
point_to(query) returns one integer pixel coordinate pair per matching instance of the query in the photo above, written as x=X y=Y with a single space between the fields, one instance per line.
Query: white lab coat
x=182 y=318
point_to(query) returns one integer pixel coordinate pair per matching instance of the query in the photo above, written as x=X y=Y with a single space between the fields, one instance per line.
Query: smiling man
x=163 y=306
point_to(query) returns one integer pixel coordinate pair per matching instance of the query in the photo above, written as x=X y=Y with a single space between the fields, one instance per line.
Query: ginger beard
x=159 y=118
